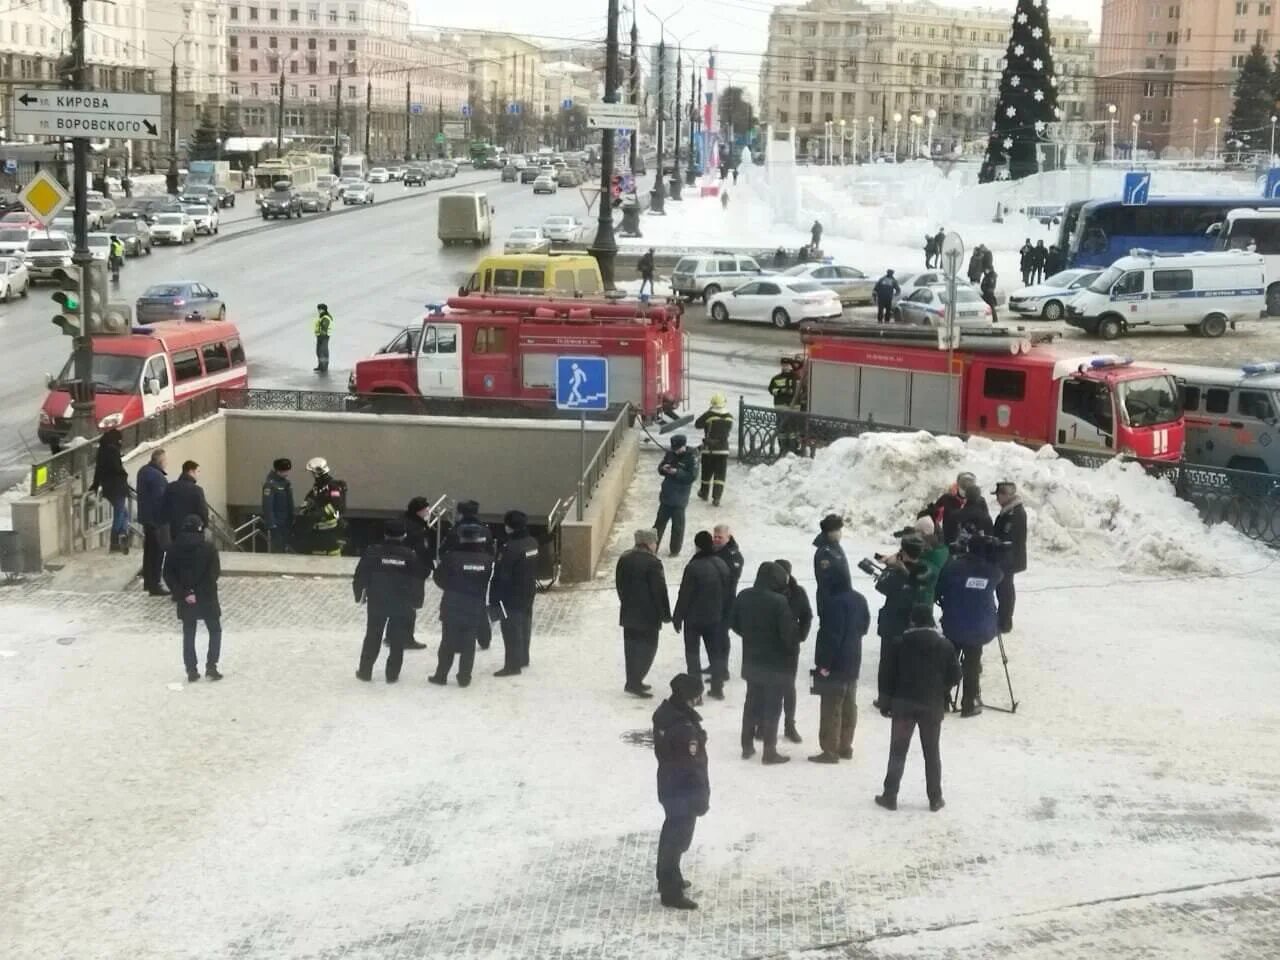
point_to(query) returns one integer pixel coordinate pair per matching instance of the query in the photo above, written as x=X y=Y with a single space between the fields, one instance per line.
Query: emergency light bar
x=144 y=331
x=1104 y=361
x=1253 y=369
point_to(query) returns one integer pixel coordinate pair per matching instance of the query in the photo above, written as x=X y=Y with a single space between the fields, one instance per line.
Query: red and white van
x=148 y=370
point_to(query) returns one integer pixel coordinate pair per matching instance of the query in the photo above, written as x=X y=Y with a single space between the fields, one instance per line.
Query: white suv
x=704 y=277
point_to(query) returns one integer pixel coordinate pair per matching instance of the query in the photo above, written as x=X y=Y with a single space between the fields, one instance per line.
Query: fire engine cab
x=1004 y=385
x=505 y=348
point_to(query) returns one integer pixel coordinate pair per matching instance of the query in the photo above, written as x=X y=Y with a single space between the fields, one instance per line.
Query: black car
x=226 y=197
x=415 y=177
x=201 y=193
x=509 y=173
x=281 y=202
x=529 y=174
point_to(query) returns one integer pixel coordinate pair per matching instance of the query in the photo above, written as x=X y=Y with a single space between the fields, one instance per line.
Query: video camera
x=871 y=568
x=977 y=542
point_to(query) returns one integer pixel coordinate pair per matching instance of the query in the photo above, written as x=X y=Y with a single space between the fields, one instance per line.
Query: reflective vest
x=324 y=324
x=117 y=248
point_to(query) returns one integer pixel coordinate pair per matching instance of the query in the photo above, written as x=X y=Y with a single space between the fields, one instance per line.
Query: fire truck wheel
x=1214 y=325
x=711 y=290
x=1109 y=328
x=1052 y=310
x=719 y=312
x=781 y=319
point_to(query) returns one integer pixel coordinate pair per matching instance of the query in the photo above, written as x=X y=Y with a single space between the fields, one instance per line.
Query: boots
x=114 y=546
x=773 y=758
x=793 y=734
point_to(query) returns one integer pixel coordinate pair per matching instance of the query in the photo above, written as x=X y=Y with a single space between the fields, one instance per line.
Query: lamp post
x=1217 y=127
x=1272 y=159
x=933 y=115
x=1133 y=150
x=897 y=119
x=280 y=113
x=674 y=191
x=1111 y=132
x=917 y=122
x=337 y=125
x=690 y=176
x=871 y=139
x=171 y=177
x=842 y=142
x=605 y=246
x=633 y=89
x=1195 y=128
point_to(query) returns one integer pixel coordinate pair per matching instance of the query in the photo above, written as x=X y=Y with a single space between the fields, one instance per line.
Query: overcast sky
x=738 y=28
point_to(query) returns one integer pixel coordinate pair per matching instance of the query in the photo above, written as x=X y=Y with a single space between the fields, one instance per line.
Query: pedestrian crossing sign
x=582 y=383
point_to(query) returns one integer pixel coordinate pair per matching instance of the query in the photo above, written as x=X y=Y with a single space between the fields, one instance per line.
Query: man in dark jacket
x=421 y=539
x=191 y=569
x=643 y=607
x=277 y=505
x=762 y=617
x=183 y=498
x=1052 y=260
x=802 y=614
x=922 y=669
x=974 y=271
x=463 y=577
x=1039 y=256
x=684 y=787
x=705 y=598
x=645 y=268
x=390 y=577
x=716 y=424
x=1010 y=528
x=111 y=480
x=843 y=619
x=727 y=549
x=967 y=594
x=988 y=291
x=678 y=469
x=930 y=251
x=467 y=516
x=830 y=565
x=1024 y=262
x=815 y=236
x=515 y=583
x=151 y=484
x=782 y=386
x=945 y=511
x=883 y=292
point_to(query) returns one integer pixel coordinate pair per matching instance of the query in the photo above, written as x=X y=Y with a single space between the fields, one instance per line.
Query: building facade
x=190 y=35
x=864 y=63
x=507 y=87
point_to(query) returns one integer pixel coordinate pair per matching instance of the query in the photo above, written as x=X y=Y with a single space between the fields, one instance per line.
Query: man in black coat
x=843 y=619
x=1010 y=528
x=679 y=468
x=420 y=537
x=463 y=577
x=922 y=670
x=684 y=786
x=515 y=583
x=1039 y=256
x=762 y=617
x=706 y=593
x=467 y=516
x=898 y=586
x=1024 y=262
x=830 y=565
x=802 y=614
x=727 y=549
x=643 y=607
x=183 y=498
x=191 y=570
x=946 y=510
x=390 y=577
x=151 y=484
x=111 y=480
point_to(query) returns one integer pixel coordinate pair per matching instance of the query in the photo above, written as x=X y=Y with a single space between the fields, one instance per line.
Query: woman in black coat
x=191 y=571
x=111 y=481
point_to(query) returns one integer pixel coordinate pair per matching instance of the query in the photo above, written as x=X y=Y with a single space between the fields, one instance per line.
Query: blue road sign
x=566 y=103
x=466 y=109
x=1136 y=187
x=1273 y=184
x=582 y=383
x=11 y=166
x=415 y=108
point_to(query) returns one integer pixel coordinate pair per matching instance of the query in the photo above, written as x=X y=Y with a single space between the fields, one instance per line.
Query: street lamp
x=842 y=142
x=1217 y=126
x=1195 y=128
x=933 y=115
x=1133 y=154
x=1273 y=140
x=658 y=195
x=897 y=119
x=171 y=177
x=280 y=110
x=917 y=122
x=871 y=139
x=1111 y=132
x=337 y=126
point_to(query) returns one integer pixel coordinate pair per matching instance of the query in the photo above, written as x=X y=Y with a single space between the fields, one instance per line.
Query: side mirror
x=462 y=291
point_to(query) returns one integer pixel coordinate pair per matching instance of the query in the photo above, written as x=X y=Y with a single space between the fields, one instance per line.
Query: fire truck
x=1004 y=384
x=505 y=348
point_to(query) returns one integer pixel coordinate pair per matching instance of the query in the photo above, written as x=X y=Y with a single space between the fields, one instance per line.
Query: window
x=333 y=68
x=492 y=339
x=333 y=45
x=1170 y=281
x=1190 y=397
x=440 y=340
x=1216 y=400
x=1256 y=404
x=253 y=43
x=351 y=90
x=311 y=43
x=588 y=282
x=533 y=279
x=158 y=370
x=186 y=366
x=726 y=266
x=1237 y=60
x=293 y=16
x=1131 y=283
x=1237 y=36
x=273 y=14
x=253 y=66
x=563 y=280
x=233 y=41
x=233 y=64
x=333 y=16
x=272 y=42
x=1089 y=401
x=293 y=67
x=507 y=278
x=998 y=384
x=234 y=14
x=216 y=357
x=351 y=46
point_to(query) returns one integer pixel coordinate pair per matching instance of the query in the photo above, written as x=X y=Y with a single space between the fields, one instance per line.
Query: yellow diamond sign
x=44 y=197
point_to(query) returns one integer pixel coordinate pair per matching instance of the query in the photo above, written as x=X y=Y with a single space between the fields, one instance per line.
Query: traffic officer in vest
x=515 y=583
x=323 y=330
x=324 y=508
x=463 y=577
x=716 y=425
x=391 y=578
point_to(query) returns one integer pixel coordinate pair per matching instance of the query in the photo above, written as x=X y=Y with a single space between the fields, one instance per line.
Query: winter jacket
x=1039 y=255
x=151 y=484
x=731 y=554
x=988 y=259
x=801 y=611
x=645 y=266
x=967 y=593
x=782 y=387
x=1010 y=528
x=421 y=540
x=830 y=568
x=676 y=486
x=919 y=670
x=390 y=576
x=1024 y=257
x=886 y=289
x=191 y=569
x=183 y=498
x=926 y=572
x=716 y=427
x=762 y=617
x=973 y=512
x=838 y=647
x=453 y=539
x=463 y=576
x=277 y=502
x=975 y=265
x=944 y=512
x=327 y=491
x=899 y=590
x=642 y=591
x=110 y=478
x=1052 y=261
x=515 y=574
x=680 y=744
x=988 y=287
x=706 y=592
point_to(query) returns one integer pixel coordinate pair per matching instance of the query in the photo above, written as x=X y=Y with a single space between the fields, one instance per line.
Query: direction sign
x=84 y=113
x=602 y=116
x=582 y=383
x=415 y=108
x=44 y=197
x=11 y=167
x=566 y=103
x=1136 y=187
x=466 y=109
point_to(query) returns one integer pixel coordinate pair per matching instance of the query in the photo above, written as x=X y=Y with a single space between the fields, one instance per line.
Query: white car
x=173 y=228
x=526 y=240
x=546 y=183
x=357 y=193
x=14 y=279
x=562 y=229
x=927 y=306
x=379 y=175
x=205 y=217
x=781 y=301
x=911 y=282
x=14 y=240
x=99 y=246
x=1049 y=298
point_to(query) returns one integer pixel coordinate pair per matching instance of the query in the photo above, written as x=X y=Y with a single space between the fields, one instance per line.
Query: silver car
x=527 y=240
x=562 y=229
x=704 y=277
x=851 y=284
x=927 y=306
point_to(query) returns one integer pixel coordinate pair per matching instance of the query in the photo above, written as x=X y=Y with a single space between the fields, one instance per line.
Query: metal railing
x=316 y=401
x=599 y=463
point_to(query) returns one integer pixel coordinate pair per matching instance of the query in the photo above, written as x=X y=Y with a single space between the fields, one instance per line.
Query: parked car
x=14 y=240
x=45 y=255
x=528 y=174
x=704 y=277
x=850 y=284
x=205 y=217
x=99 y=246
x=360 y=193
x=415 y=177
x=281 y=201
x=174 y=228
x=101 y=210
x=179 y=300
x=527 y=240
x=545 y=183
x=134 y=234
x=779 y=300
x=928 y=306
x=315 y=201
x=1049 y=298
x=15 y=281
x=379 y=175
x=911 y=282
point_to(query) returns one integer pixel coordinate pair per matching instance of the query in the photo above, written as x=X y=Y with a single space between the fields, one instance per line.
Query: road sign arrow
x=26 y=100
x=150 y=128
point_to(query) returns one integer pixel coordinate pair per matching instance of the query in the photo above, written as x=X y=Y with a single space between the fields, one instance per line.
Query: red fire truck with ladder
x=505 y=348
x=1004 y=384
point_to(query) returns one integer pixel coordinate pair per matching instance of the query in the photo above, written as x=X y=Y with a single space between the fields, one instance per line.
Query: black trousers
x=322 y=353
x=381 y=624
x=639 y=647
x=458 y=637
x=971 y=671
x=189 y=656
x=883 y=693
x=1006 y=599
x=697 y=636
x=761 y=710
x=154 y=538
x=715 y=467
x=516 y=631
x=884 y=311
x=675 y=515
x=676 y=836
x=789 y=694
x=904 y=725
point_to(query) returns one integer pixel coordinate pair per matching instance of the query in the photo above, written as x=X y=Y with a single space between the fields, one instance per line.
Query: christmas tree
x=1254 y=102
x=1028 y=97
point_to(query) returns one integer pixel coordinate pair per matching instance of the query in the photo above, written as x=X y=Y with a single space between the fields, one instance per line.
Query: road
x=374 y=266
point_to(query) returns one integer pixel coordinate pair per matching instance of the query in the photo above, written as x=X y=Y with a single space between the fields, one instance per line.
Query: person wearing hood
x=391 y=579
x=830 y=565
x=1010 y=528
x=704 y=601
x=762 y=617
x=678 y=469
x=515 y=584
x=111 y=480
x=716 y=425
x=802 y=614
x=191 y=571
x=684 y=785
x=843 y=619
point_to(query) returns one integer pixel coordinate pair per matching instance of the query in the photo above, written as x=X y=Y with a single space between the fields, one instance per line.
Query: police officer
x=716 y=425
x=830 y=565
x=468 y=515
x=390 y=577
x=421 y=540
x=1010 y=528
x=515 y=582
x=277 y=505
x=463 y=576
x=323 y=509
x=684 y=787
x=117 y=256
x=883 y=292
x=323 y=330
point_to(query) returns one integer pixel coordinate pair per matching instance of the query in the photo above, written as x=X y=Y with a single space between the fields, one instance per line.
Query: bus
x=1096 y=233
x=298 y=173
x=1258 y=230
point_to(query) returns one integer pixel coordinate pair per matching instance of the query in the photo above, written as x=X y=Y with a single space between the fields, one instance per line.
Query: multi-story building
x=507 y=85
x=865 y=62
x=190 y=35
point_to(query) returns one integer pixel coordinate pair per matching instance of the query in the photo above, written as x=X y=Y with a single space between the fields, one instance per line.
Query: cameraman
x=898 y=588
x=967 y=593
x=1011 y=530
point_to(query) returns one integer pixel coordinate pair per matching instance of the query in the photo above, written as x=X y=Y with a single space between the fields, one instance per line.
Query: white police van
x=1204 y=292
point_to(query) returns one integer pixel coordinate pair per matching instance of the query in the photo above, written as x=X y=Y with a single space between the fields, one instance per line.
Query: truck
x=1233 y=415
x=353 y=165
x=484 y=155
x=211 y=173
x=505 y=348
x=1001 y=384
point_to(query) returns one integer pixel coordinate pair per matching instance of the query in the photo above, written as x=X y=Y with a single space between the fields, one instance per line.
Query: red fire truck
x=505 y=348
x=1003 y=385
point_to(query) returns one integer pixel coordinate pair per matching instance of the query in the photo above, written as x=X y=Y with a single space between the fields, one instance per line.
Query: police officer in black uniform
x=716 y=425
x=421 y=539
x=830 y=565
x=463 y=575
x=391 y=578
x=684 y=787
x=515 y=582
x=467 y=514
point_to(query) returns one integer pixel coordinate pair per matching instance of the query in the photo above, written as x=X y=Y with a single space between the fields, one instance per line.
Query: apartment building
x=191 y=34
x=508 y=85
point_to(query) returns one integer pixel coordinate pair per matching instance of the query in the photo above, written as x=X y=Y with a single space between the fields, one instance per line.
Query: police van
x=1203 y=292
x=1232 y=415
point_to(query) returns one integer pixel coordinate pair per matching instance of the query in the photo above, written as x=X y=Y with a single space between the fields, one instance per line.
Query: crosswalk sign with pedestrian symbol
x=582 y=383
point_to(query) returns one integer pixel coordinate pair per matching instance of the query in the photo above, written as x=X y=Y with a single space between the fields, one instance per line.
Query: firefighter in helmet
x=716 y=425
x=788 y=394
x=324 y=509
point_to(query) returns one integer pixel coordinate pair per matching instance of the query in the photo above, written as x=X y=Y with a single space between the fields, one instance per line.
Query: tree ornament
x=1038 y=63
x=1015 y=81
x=1037 y=33
x=1018 y=50
x=1039 y=95
x=1011 y=112
x=1008 y=143
x=1022 y=18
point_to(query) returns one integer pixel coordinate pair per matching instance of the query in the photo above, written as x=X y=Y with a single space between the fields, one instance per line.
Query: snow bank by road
x=1113 y=517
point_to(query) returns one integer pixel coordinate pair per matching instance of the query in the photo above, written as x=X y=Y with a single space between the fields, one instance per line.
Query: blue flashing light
x=434 y=309
x=144 y=331
x=1103 y=362
x=1253 y=369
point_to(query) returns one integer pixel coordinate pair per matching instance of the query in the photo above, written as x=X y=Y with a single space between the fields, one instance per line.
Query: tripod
x=954 y=703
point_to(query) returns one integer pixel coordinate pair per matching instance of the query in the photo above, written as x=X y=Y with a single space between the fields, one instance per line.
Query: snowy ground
x=1129 y=808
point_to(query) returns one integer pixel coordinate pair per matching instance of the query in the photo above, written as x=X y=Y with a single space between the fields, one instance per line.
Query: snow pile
x=1116 y=516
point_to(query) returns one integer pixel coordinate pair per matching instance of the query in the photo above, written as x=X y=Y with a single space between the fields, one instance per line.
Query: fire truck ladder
x=1012 y=340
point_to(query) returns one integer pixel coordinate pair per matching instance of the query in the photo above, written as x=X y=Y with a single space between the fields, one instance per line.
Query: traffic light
x=96 y=294
x=70 y=318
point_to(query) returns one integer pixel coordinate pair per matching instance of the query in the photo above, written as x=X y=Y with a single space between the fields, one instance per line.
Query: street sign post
x=466 y=109
x=44 y=198
x=1137 y=185
x=952 y=256
x=617 y=116
x=84 y=113
x=582 y=384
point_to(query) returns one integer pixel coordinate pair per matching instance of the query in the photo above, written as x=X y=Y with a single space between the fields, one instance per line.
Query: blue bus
x=1096 y=233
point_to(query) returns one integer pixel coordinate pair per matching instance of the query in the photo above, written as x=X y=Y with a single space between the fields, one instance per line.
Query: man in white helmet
x=324 y=508
x=716 y=425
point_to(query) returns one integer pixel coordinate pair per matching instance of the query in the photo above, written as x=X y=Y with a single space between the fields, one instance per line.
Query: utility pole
x=675 y=116
x=368 y=116
x=635 y=87
x=280 y=116
x=658 y=195
x=689 y=178
x=83 y=421
x=440 y=120
x=408 y=118
x=605 y=247
x=337 y=134
x=170 y=178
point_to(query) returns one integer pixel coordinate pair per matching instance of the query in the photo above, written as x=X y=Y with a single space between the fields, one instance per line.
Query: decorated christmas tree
x=1028 y=99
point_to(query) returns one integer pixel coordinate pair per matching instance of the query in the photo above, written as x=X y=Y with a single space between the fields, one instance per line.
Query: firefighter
x=785 y=388
x=716 y=424
x=391 y=578
x=323 y=510
x=323 y=330
x=463 y=577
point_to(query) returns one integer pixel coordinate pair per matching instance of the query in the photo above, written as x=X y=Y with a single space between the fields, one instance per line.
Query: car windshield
x=170 y=218
x=524 y=234
x=1105 y=279
x=1149 y=401
x=163 y=292
x=111 y=374
x=559 y=221
x=687 y=265
x=963 y=295
x=198 y=209
x=1064 y=279
x=48 y=243
x=13 y=236
x=98 y=241
x=807 y=286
